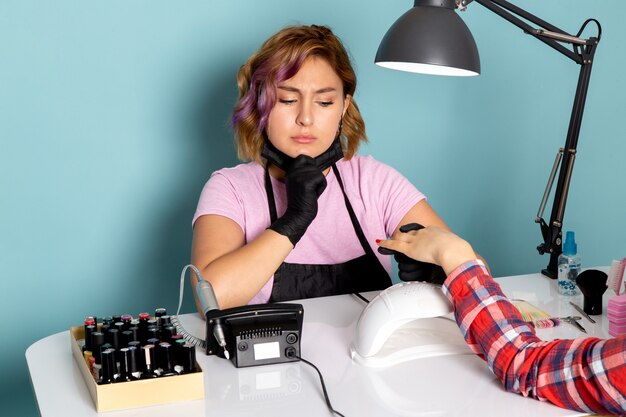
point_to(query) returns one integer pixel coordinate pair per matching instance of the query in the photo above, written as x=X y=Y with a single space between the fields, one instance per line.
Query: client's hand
x=411 y=270
x=432 y=245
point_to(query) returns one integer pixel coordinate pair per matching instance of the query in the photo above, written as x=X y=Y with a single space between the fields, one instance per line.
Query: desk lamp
x=432 y=39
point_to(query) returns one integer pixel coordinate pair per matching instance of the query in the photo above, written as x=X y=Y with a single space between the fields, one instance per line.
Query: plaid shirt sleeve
x=587 y=374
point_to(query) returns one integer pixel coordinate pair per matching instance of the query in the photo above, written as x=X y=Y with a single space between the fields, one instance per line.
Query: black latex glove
x=411 y=270
x=305 y=183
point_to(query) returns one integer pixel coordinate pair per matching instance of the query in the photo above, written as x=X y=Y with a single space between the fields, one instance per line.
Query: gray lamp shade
x=431 y=39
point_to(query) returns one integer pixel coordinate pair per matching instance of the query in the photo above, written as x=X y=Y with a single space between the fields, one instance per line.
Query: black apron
x=298 y=281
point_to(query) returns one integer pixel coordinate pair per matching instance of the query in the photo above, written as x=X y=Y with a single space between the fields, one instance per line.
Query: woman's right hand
x=305 y=183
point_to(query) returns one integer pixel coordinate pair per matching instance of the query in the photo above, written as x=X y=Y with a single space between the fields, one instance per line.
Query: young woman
x=587 y=374
x=300 y=218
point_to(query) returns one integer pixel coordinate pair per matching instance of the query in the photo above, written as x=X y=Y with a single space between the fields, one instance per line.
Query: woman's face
x=309 y=106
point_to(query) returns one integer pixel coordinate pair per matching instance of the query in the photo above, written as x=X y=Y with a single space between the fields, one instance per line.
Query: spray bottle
x=569 y=266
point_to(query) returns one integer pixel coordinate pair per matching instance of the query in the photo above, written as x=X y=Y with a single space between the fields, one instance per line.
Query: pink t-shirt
x=380 y=197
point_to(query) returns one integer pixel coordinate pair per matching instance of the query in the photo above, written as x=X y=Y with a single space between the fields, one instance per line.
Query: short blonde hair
x=280 y=58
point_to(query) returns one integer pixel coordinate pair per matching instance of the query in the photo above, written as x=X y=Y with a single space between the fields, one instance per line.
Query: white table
x=440 y=386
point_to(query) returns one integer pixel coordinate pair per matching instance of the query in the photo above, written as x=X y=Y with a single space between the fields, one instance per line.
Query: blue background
x=113 y=114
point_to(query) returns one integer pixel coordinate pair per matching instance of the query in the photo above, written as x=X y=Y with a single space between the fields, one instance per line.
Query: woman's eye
x=326 y=103
x=286 y=101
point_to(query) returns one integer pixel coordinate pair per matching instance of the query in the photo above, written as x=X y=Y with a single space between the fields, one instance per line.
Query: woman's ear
x=346 y=104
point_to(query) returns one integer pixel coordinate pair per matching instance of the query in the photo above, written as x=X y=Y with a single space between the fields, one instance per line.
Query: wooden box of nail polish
x=138 y=393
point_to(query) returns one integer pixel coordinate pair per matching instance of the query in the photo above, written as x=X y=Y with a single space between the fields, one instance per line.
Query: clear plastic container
x=569 y=267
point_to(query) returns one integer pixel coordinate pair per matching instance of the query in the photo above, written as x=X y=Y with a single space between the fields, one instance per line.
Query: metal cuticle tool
x=573 y=320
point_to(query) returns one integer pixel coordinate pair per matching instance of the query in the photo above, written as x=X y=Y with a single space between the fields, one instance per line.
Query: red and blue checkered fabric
x=587 y=374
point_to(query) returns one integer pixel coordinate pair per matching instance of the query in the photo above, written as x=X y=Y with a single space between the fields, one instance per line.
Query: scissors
x=573 y=320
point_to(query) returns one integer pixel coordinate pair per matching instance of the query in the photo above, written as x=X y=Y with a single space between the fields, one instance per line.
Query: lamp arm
x=582 y=53
x=548 y=34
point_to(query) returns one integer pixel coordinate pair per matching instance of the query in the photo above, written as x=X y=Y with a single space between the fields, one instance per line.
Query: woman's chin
x=306 y=152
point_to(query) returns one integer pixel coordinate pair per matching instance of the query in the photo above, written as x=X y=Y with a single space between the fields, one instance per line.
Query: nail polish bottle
x=148 y=362
x=108 y=367
x=89 y=330
x=134 y=344
x=97 y=340
x=167 y=332
x=88 y=355
x=153 y=333
x=126 y=319
x=143 y=326
x=134 y=361
x=165 y=321
x=166 y=359
x=113 y=337
x=125 y=373
x=187 y=359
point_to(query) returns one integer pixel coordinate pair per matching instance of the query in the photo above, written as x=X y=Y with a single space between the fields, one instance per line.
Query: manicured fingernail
x=378 y=240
